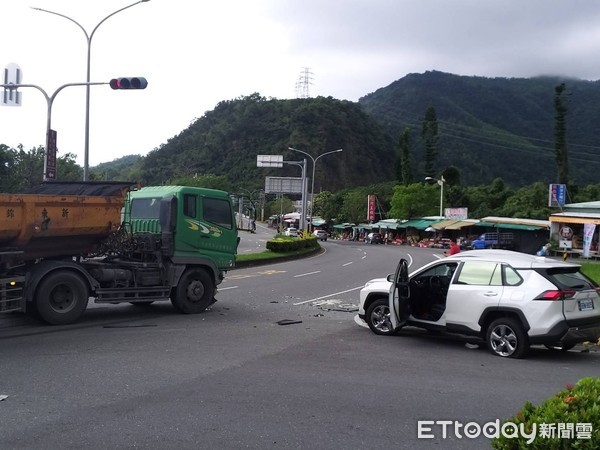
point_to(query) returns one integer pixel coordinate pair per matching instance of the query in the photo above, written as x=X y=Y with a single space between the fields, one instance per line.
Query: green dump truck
x=63 y=244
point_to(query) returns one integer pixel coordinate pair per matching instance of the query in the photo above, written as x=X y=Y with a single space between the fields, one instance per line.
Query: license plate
x=586 y=304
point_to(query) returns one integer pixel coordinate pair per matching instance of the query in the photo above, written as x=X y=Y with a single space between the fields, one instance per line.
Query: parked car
x=320 y=234
x=510 y=300
x=291 y=232
x=374 y=238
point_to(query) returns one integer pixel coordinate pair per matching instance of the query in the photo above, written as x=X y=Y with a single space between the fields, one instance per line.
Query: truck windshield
x=145 y=208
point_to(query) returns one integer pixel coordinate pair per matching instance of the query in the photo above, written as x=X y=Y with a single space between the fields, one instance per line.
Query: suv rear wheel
x=507 y=338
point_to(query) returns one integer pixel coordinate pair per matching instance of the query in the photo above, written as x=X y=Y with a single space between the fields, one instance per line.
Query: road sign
x=12 y=75
x=269 y=160
x=283 y=185
x=50 y=165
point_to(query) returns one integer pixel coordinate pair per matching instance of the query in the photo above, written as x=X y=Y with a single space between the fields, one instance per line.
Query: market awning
x=462 y=224
x=443 y=224
x=341 y=226
x=419 y=224
x=389 y=224
x=511 y=226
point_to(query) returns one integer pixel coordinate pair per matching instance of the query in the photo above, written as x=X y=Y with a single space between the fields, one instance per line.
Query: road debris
x=288 y=322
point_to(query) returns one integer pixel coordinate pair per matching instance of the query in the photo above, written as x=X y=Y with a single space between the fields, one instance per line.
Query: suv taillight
x=555 y=295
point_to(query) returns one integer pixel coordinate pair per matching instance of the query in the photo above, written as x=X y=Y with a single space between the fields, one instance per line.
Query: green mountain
x=494 y=127
x=488 y=128
x=227 y=141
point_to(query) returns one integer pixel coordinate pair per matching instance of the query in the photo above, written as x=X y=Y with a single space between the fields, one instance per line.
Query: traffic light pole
x=49 y=172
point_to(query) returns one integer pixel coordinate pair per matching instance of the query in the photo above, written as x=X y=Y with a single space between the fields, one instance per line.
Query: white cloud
x=197 y=53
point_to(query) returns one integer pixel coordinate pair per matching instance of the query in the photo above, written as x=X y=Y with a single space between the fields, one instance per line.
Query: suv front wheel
x=378 y=317
x=507 y=338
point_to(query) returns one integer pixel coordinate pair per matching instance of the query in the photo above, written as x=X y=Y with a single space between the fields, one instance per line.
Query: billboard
x=283 y=185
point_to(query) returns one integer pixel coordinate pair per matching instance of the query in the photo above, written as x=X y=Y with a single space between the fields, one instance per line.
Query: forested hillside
x=488 y=128
x=494 y=127
x=227 y=140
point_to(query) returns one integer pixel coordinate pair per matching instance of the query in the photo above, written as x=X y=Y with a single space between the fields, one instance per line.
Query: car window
x=481 y=273
x=217 y=211
x=511 y=277
x=570 y=278
x=440 y=270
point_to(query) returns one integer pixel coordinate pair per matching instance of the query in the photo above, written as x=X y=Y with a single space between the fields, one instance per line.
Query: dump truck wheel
x=61 y=298
x=194 y=293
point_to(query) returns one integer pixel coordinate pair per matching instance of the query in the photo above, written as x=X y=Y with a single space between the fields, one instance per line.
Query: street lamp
x=88 y=37
x=312 y=189
x=441 y=182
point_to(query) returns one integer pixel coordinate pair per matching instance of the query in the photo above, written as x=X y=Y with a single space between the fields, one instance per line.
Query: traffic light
x=129 y=83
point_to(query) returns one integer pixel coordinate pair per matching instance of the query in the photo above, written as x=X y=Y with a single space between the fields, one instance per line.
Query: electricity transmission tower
x=303 y=83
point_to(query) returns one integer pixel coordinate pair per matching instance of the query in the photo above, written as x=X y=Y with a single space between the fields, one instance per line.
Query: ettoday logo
x=444 y=429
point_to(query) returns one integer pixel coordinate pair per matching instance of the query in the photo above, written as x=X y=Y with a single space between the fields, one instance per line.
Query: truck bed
x=59 y=219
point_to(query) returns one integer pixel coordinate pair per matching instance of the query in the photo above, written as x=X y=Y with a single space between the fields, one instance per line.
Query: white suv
x=510 y=300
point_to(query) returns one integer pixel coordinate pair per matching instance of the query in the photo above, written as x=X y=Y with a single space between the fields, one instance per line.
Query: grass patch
x=268 y=255
x=592 y=270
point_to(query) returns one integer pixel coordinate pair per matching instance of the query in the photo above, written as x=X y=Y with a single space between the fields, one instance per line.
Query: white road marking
x=305 y=274
x=327 y=296
x=230 y=287
x=347 y=264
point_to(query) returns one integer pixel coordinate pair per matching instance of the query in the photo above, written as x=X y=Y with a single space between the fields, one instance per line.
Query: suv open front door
x=399 y=296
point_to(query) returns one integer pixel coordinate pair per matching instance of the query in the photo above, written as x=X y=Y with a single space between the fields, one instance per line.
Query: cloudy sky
x=196 y=53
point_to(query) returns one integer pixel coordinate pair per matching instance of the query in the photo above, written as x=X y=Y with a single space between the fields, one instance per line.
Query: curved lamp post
x=312 y=189
x=441 y=182
x=88 y=37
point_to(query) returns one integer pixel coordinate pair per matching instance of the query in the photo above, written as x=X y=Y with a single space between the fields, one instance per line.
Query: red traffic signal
x=129 y=83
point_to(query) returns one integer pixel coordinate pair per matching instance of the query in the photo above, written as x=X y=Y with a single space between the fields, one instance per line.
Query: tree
x=209 y=181
x=414 y=200
x=327 y=206
x=487 y=200
x=279 y=206
x=354 y=207
x=429 y=133
x=529 y=201
x=560 y=134
x=404 y=166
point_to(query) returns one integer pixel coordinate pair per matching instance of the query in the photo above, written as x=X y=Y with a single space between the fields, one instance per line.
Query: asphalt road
x=234 y=377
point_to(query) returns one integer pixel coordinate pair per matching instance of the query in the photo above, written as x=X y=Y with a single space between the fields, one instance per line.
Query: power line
x=509 y=144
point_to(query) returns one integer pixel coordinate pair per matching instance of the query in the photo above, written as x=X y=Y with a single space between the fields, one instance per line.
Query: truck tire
x=61 y=298
x=194 y=293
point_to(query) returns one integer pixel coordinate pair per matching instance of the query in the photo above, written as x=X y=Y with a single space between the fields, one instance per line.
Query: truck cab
x=194 y=223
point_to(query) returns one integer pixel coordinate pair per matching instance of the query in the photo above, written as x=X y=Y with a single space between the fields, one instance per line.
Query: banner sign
x=456 y=213
x=588 y=234
x=557 y=194
x=371 y=208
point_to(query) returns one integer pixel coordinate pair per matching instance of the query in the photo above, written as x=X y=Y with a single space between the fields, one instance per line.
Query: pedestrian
x=454 y=248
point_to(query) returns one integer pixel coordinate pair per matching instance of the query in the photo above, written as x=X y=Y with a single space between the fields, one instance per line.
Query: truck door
x=209 y=228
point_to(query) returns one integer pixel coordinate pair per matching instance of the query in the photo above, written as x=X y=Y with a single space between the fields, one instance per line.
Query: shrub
x=576 y=408
x=290 y=244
